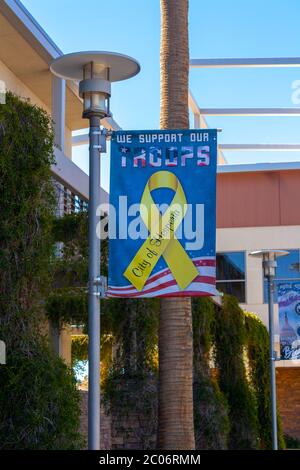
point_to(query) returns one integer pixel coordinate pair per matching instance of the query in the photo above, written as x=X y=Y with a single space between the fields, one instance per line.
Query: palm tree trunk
x=176 y=422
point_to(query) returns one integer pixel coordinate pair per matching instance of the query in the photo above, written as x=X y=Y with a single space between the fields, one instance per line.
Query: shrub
x=39 y=402
x=291 y=442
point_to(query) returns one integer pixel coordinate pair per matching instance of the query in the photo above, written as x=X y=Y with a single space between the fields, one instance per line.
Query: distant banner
x=289 y=319
x=162 y=213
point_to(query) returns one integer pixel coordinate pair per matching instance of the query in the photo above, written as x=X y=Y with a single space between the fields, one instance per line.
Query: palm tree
x=176 y=426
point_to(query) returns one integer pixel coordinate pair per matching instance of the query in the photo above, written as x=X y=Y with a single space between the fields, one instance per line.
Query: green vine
x=258 y=354
x=67 y=306
x=210 y=406
x=80 y=345
x=39 y=402
x=230 y=334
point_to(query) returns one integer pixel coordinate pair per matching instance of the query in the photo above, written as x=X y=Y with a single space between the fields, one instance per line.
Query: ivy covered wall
x=39 y=403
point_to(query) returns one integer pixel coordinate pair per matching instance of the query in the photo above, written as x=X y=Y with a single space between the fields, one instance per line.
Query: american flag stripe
x=194 y=289
x=206 y=267
x=204 y=272
x=190 y=293
x=164 y=284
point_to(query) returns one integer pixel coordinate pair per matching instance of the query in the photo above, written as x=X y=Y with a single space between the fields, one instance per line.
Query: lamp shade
x=269 y=257
x=71 y=66
x=95 y=71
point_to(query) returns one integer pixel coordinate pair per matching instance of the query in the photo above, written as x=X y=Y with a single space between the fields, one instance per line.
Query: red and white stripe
x=163 y=284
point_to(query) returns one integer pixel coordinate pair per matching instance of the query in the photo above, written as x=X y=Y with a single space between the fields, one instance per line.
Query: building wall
x=288 y=394
x=105 y=423
x=130 y=430
x=68 y=143
x=257 y=210
x=258 y=199
x=249 y=239
x=253 y=238
x=15 y=85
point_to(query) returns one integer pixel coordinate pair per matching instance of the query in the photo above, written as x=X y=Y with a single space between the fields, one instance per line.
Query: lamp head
x=269 y=258
x=95 y=71
x=95 y=90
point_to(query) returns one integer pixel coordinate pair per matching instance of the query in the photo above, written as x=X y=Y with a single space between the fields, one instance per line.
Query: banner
x=162 y=213
x=289 y=319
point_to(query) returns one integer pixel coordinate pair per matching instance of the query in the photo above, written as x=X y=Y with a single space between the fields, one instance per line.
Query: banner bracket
x=101 y=286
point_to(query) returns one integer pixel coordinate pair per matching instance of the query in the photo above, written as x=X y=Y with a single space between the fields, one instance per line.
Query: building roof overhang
x=254 y=167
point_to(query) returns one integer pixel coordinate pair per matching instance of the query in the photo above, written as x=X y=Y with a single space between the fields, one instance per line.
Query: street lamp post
x=269 y=262
x=95 y=71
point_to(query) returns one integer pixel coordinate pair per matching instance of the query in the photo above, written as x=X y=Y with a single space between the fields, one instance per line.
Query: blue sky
x=231 y=28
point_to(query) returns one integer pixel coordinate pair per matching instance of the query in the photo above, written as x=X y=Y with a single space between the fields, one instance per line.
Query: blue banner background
x=199 y=184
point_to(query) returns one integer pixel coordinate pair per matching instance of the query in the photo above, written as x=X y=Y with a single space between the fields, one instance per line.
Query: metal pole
x=94 y=302
x=272 y=361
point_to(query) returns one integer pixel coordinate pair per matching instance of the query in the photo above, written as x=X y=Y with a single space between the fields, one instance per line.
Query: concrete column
x=254 y=280
x=62 y=341
x=58 y=110
x=66 y=344
x=197 y=122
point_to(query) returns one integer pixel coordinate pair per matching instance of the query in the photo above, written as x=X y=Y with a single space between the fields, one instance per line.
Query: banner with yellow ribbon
x=162 y=239
x=163 y=196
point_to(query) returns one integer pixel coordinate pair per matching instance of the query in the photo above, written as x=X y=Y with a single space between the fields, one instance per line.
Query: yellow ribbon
x=162 y=240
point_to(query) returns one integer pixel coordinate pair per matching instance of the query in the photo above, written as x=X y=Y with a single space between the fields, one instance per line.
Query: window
x=288 y=269
x=231 y=274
